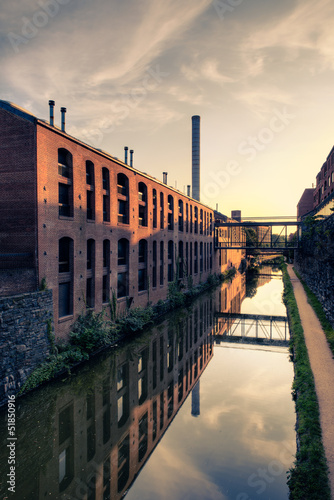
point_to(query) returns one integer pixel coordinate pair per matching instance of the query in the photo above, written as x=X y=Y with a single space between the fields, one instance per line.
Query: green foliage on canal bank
x=92 y=332
x=308 y=479
x=318 y=309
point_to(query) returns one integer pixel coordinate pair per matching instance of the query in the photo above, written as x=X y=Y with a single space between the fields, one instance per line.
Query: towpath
x=322 y=364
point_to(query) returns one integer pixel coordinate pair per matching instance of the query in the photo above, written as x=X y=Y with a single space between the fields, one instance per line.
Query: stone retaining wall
x=24 y=342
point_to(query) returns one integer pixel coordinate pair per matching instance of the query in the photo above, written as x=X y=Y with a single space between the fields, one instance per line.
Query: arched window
x=123 y=198
x=201 y=222
x=154 y=264
x=65 y=183
x=170 y=212
x=90 y=190
x=195 y=257
x=123 y=268
x=180 y=263
x=155 y=207
x=142 y=265
x=90 y=274
x=162 y=211
x=106 y=194
x=196 y=220
x=106 y=272
x=201 y=257
x=170 y=260
x=142 y=208
x=161 y=263
x=180 y=215
x=65 y=277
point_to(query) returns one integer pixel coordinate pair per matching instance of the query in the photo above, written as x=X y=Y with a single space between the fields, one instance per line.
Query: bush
x=136 y=320
x=90 y=332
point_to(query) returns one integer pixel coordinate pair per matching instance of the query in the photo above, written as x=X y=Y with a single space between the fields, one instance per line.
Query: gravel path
x=322 y=364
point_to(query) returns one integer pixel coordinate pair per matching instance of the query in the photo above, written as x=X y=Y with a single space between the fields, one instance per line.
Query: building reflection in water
x=107 y=420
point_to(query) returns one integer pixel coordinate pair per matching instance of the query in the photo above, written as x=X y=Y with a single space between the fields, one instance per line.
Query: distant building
x=305 y=203
x=322 y=194
x=91 y=227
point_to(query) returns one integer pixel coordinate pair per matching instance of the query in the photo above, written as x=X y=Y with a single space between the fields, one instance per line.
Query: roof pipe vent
x=126 y=155
x=63 y=111
x=131 y=157
x=188 y=190
x=52 y=105
x=164 y=177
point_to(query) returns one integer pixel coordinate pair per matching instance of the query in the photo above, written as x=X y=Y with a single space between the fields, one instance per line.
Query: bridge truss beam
x=257 y=236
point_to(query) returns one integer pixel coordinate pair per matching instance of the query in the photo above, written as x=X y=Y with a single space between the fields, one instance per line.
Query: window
x=191 y=259
x=170 y=260
x=142 y=207
x=180 y=263
x=162 y=212
x=161 y=263
x=66 y=447
x=106 y=272
x=123 y=268
x=154 y=265
x=90 y=190
x=170 y=212
x=65 y=277
x=142 y=265
x=187 y=217
x=65 y=184
x=123 y=198
x=196 y=220
x=143 y=437
x=195 y=257
x=123 y=463
x=201 y=222
x=106 y=194
x=191 y=218
x=155 y=208
x=90 y=274
x=201 y=257
x=181 y=215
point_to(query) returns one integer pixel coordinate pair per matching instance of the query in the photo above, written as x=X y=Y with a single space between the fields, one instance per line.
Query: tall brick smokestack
x=196 y=157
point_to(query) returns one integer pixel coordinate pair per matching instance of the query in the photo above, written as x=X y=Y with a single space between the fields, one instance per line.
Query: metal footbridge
x=275 y=234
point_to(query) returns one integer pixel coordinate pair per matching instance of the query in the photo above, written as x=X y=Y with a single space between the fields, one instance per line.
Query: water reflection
x=97 y=430
x=88 y=437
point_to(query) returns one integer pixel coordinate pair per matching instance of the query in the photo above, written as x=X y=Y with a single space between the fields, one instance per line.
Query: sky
x=133 y=73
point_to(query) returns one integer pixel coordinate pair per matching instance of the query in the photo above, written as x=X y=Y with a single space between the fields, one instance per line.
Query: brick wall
x=24 y=342
x=18 y=237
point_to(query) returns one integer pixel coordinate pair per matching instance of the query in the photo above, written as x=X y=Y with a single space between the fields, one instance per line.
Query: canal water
x=197 y=407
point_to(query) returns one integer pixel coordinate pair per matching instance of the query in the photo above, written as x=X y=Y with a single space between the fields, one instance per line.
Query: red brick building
x=325 y=181
x=89 y=226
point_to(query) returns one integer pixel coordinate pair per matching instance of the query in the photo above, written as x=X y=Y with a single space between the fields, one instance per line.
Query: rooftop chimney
x=196 y=156
x=164 y=177
x=63 y=111
x=52 y=105
x=126 y=154
x=131 y=157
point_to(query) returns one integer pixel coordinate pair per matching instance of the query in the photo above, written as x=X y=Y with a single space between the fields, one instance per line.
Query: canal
x=197 y=407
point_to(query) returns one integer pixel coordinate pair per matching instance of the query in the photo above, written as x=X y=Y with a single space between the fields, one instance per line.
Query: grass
x=308 y=479
x=318 y=309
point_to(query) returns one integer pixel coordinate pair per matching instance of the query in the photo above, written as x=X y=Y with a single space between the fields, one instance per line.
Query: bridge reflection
x=252 y=328
x=93 y=433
